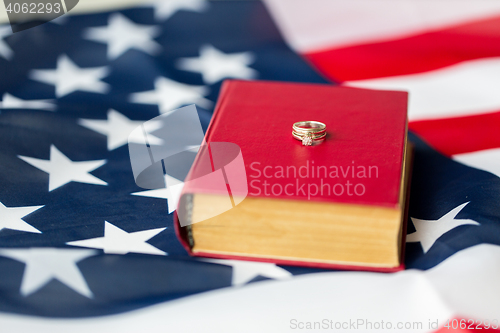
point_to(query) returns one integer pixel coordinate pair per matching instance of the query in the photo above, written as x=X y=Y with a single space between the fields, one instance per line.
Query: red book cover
x=361 y=157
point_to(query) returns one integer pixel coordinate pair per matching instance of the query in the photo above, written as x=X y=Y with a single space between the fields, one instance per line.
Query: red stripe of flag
x=416 y=54
x=460 y=135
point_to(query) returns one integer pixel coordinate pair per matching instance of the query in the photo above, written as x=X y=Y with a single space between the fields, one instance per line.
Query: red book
x=338 y=204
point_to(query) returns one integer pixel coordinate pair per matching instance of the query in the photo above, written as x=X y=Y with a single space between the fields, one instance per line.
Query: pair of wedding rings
x=309 y=132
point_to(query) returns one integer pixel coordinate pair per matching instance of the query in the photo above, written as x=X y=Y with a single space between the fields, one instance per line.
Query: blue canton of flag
x=72 y=93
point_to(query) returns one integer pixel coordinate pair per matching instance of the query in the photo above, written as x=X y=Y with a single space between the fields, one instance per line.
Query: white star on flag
x=45 y=264
x=193 y=148
x=170 y=95
x=118 y=128
x=11 y=102
x=215 y=65
x=428 y=231
x=118 y=241
x=5 y=50
x=62 y=170
x=11 y=218
x=61 y=20
x=166 y=8
x=245 y=271
x=122 y=34
x=172 y=193
x=68 y=77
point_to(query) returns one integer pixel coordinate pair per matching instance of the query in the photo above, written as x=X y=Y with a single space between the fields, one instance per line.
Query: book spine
x=189 y=210
x=186 y=201
x=185 y=208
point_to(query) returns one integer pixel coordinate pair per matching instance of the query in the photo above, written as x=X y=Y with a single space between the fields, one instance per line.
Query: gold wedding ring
x=309 y=132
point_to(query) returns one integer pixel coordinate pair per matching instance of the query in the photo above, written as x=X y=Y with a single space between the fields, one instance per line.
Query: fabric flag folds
x=83 y=248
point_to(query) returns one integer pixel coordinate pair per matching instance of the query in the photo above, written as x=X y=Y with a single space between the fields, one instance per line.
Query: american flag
x=83 y=248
